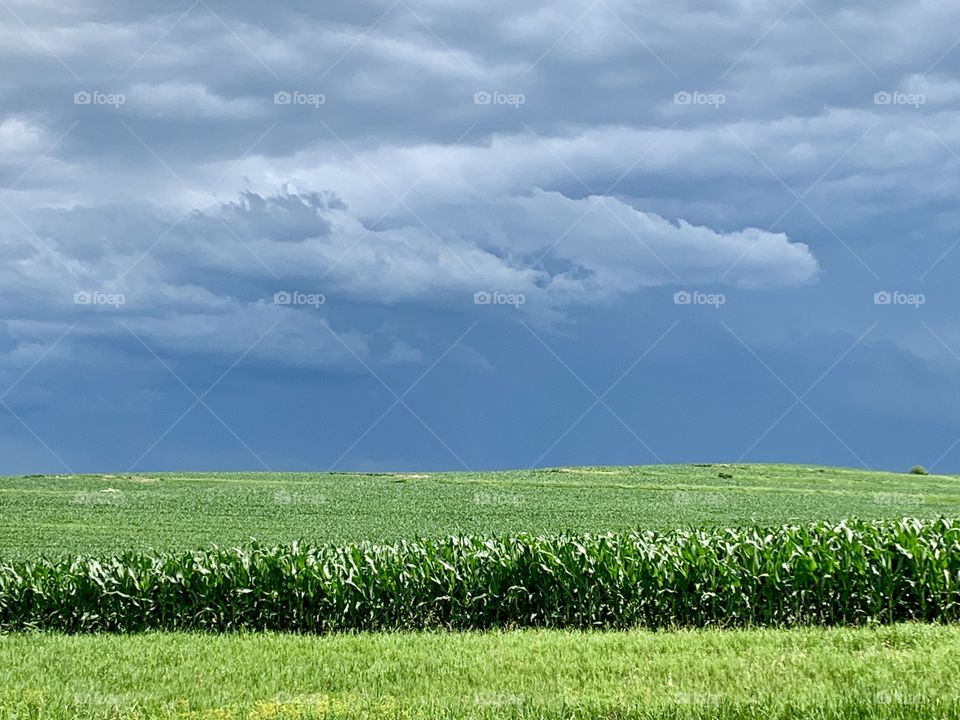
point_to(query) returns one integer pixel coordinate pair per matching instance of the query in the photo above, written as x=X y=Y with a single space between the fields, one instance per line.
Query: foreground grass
x=905 y=671
x=105 y=514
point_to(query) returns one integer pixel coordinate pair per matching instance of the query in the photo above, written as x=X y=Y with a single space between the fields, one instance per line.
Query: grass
x=61 y=515
x=894 y=671
x=905 y=671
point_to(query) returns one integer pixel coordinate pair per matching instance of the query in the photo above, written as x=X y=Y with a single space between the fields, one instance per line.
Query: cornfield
x=849 y=573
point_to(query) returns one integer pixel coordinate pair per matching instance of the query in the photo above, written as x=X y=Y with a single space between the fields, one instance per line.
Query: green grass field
x=168 y=511
x=906 y=671
x=897 y=671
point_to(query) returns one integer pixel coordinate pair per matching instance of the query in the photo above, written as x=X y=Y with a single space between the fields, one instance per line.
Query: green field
x=895 y=671
x=906 y=671
x=56 y=515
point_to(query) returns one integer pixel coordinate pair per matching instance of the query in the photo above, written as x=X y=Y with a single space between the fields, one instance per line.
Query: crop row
x=849 y=573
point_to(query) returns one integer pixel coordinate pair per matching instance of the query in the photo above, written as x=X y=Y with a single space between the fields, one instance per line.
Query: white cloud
x=402 y=352
x=208 y=285
x=18 y=135
x=176 y=99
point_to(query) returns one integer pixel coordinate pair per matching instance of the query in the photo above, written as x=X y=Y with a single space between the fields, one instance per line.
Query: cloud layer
x=326 y=189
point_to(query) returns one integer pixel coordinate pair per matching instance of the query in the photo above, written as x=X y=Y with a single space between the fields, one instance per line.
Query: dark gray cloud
x=377 y=164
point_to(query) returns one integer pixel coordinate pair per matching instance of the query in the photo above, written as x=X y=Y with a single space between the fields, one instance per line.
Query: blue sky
x=423 y=235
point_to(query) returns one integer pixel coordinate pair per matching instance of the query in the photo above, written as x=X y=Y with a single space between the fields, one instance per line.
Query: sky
x=422 y=235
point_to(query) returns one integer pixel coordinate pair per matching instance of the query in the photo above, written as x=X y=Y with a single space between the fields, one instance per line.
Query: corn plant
x=848 y=573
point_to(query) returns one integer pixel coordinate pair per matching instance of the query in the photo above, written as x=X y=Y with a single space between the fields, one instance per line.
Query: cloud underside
x=200 y=280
